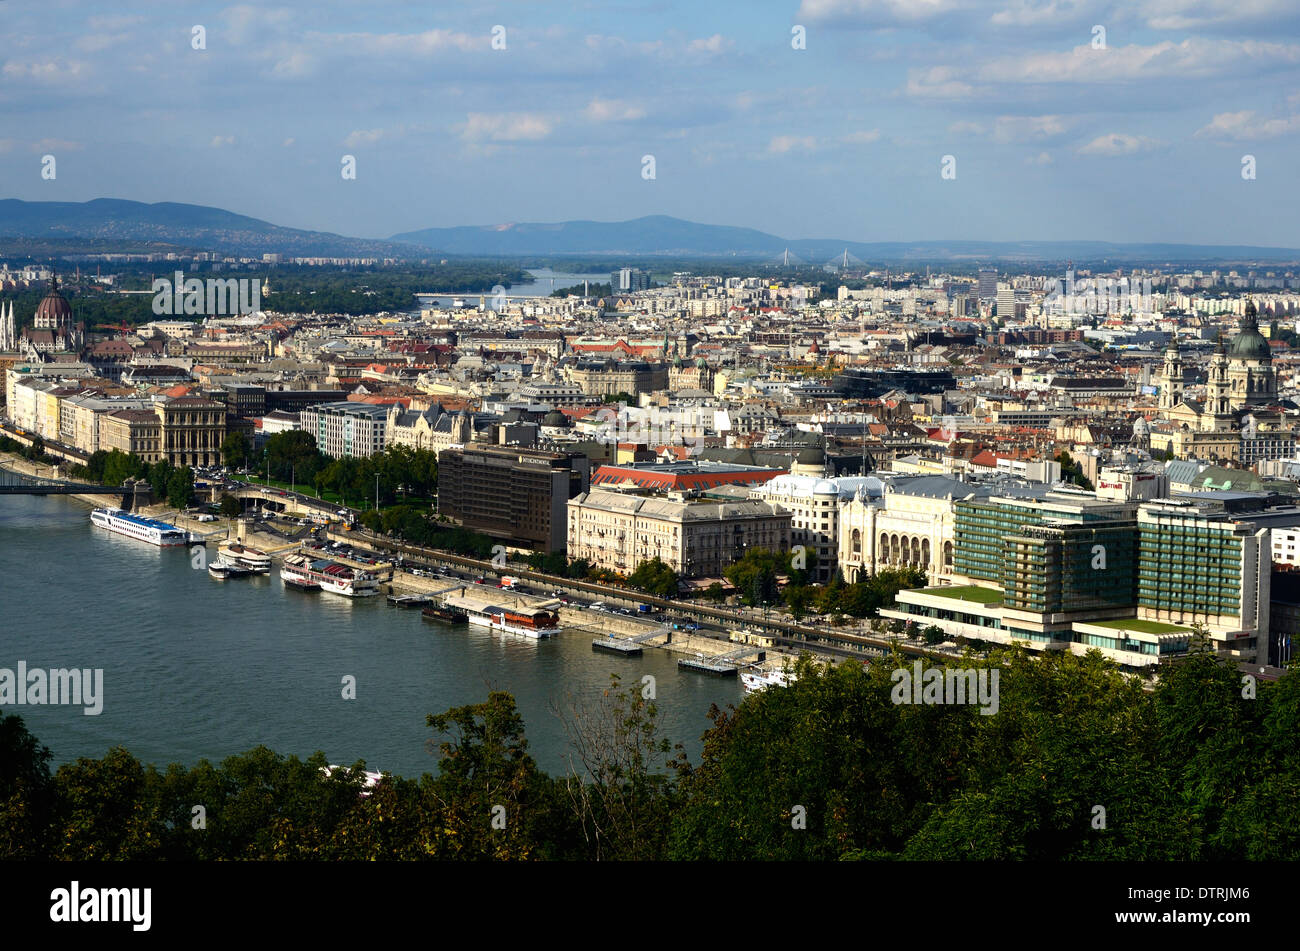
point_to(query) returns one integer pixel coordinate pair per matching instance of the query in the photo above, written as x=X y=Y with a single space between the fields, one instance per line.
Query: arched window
x=857 y=542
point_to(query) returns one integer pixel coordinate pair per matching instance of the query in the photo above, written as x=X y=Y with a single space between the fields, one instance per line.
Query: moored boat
x=253 y=559
x=537 y=622
x=756 y=680
x=446 y=614
x=223 y=570
x=330 y=575
x=140 y=527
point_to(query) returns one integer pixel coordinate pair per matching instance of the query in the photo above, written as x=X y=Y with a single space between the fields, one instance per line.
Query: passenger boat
x=140 y=527
x=756 y=680
x=370 y=781
x=330 y=575
x=253 y=559
x=446 y=614
x=223 y=570
x=528 y=622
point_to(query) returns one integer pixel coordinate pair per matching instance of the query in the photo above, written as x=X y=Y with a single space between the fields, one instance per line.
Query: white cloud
x=287 y=143
x=218 y=141
x=1042 y=158
x=1007 y=129
x=965 y=127
x=1190 y=59
x=790 y=143
x=713 y=44
x=295 y=65
x=363 y=137
x=505 y=127
x=1118 y=143
x=612 y=110
x=938 y=82
x=1200 y=14
x=53 y=145
x=878 y=12
x=49 y=72
x=1246 y=125
x=1029 y=13
x=863 y=137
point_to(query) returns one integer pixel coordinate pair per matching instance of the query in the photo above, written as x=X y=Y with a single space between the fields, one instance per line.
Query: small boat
x=757 y=680
x=223 y=570
x=370 y=780
x=446 y=614
x=252 y=558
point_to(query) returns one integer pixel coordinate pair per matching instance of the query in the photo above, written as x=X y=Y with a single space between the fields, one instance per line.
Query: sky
x=1060 y=120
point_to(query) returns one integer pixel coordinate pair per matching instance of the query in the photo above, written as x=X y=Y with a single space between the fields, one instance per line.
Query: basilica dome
x=1250 y=344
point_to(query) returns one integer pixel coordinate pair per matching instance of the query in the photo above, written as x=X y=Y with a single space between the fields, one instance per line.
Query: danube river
x=200 y=669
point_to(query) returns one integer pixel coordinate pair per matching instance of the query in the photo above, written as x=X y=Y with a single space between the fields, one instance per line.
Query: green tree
x=754 y=576
x=620 y=793
x=160 y=477
x=180 y=488
x=487 y=781
x=236 y=448
x=102 y=811
x=655 y=577
x=26 y=791
x=230 y=506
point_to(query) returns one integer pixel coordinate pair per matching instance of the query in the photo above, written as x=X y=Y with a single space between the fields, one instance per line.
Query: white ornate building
x=907 y=522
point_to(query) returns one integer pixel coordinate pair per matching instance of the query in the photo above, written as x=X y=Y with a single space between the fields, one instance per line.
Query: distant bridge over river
x=19 y=483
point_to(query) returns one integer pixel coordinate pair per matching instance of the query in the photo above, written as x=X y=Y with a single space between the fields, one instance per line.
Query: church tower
x=1171 y=379
x=1252 y=379
x=1218 y=405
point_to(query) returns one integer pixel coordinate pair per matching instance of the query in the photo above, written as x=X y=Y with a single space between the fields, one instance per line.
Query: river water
x=201 y=669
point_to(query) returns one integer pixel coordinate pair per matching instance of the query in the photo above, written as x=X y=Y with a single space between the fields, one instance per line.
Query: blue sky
x=1053 y=138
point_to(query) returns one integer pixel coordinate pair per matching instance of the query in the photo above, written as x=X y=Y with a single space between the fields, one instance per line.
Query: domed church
x=1240 y=380
x=1252 y=380
x=53 y=329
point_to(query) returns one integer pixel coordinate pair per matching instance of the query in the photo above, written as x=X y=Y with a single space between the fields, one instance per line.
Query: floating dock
x=707 y=665
x=410 y=600
x=615 y=645
x=629 y=646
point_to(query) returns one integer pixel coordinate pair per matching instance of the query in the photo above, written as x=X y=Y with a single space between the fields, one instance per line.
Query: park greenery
x=295 y=289
x=654 y=577
x=34 y=453
x=1079 y=763
x=762 y=577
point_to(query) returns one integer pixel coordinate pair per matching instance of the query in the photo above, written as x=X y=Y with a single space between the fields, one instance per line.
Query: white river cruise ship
x=139 y=527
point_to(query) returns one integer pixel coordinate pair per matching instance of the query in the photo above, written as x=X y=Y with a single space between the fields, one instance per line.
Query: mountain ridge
x=206 y=227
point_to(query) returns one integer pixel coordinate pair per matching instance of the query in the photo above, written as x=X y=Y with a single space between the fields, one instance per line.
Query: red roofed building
x=682 y=476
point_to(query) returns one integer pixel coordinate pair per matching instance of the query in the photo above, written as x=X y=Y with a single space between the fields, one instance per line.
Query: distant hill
x=107 y=220
x=171 y=223
x=655 y=234
x=672 y=237
x=663 y=235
